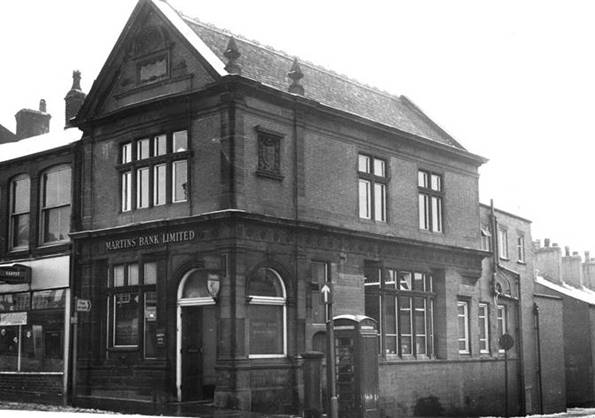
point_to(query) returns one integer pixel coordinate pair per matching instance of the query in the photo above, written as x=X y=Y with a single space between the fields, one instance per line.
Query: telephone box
x=356 y=350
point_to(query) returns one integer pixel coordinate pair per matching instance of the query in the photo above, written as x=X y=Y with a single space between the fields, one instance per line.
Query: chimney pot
x=566 y=251
x=74 y=98
x=546 y=242
x=42 y=106
x=575 y=253
x=555 y=244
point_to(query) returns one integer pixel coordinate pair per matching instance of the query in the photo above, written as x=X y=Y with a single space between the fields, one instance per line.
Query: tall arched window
x=20 y=188
x=55 y=204
x=267 y=313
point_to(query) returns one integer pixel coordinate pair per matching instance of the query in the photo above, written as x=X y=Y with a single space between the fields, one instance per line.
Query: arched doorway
x=196 y=347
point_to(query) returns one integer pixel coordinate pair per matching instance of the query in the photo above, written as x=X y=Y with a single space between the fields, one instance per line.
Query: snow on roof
x=39 y=143
x=191 y=36
x=583 y=294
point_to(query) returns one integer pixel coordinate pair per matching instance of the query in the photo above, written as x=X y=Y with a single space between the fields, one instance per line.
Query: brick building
x=566 y=282
x=36 y=173
x=223 y=183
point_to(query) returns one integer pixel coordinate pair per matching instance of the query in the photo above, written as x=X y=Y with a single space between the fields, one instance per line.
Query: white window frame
x=273 y=301
x=46 y=208
x=430 y=201
x=503 y=244
x=372 y=187
x=126 y=191
x=15 y=214
x=502 y=318
x=484 y=317
x=465 y=316
x=520 y=247
x=174 y=165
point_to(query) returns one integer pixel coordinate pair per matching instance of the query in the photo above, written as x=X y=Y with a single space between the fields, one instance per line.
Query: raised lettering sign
x=150 y=240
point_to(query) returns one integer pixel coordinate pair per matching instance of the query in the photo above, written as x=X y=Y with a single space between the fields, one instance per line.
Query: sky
x=513 y=81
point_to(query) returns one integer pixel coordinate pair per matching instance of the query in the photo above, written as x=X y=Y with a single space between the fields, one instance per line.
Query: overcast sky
x=512 y=81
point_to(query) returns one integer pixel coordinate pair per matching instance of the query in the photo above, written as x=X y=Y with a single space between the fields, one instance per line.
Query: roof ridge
x=284 y=54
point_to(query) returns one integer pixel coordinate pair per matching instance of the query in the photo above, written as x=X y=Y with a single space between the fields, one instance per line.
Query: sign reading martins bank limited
x=150 y=240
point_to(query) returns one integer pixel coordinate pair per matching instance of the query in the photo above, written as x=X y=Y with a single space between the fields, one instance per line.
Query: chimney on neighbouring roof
x=232 y=53
x=572 y=269
x=589 y=271
x=32 y=122
x=295 y=74
x=548 y=261
x=74 y=99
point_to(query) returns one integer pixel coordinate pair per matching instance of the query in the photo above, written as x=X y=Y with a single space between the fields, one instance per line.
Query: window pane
x=42 y=342
x=418 y=282
x=390 y=315
x=266 y=329
x=142 y=149
x=379 y=168
x=436 y=182
x=372 y=305
x=150 y=270
x=196 y=285
x=150 y=324
x=405 y=280
x=125 y=319
x=364 y=199
x=405 y=315
x=159 y=184
x=379 y=202
x=20 y=230
x=126 y=153
x=180 y=181
x=119 y=276
x=424 y=212
x=180 y=141
x=363 y=164
x=57 y=187
x=142 y=187
x=422 y=179
x=265 y=283
x=21 y=192
x=319 y=272
x=48 y=299
x=56 y=224
x=132 y=274
x=160 y=145
x=436 y=214
x=14 y=302
x=126 y=191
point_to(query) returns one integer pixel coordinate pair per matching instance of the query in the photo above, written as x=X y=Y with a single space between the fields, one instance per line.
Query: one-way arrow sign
x=327 y=294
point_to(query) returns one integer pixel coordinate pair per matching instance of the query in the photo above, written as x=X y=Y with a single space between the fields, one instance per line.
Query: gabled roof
x=40 y=143
x=270 y=67
x=6 y=135
x=583 y=294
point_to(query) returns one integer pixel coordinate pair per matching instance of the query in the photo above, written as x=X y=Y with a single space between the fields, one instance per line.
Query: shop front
x=34 y=299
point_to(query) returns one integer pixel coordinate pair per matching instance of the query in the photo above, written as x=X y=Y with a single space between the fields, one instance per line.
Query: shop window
x=372 y=188
x=463 y=323
x=32 y=333
x=430 y=192
x=402 y=302
x=20 y=188
x=156 y=173
x=55 y=204
x=132 y=306
x=267 y=314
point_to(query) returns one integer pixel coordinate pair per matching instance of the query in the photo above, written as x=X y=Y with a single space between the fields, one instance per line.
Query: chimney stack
x=74 y=98
x=546 y=242
x=548 y=260
x=33 y=122
x=589 y=271
x=572 y=269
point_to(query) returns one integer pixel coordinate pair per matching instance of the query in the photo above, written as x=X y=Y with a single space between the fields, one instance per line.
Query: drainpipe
x=538 y=337
x=519 y=308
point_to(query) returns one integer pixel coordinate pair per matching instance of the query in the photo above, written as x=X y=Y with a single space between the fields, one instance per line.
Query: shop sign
x=13 y=318
x=15 y=274
x=150 y=240
x=83 y=305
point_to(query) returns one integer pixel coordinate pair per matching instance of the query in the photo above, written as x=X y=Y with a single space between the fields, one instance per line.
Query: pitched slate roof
x=39 y=143
x=583 y=294
x=6 y=135
x=270 y=67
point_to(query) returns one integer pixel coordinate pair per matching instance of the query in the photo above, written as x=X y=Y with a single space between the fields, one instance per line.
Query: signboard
x=83 y=305
x=13 y=318
x=327 y=294
x=15 y=274
x=150 y=240
x=506 y=342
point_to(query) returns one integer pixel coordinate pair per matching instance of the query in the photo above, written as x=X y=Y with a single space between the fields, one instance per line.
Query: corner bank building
x=223 y=183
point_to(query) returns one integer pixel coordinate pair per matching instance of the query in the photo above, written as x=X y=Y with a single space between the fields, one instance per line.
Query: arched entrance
x=196 y=346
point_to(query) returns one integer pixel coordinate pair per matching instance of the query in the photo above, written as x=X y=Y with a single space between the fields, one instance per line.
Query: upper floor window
x=503 y=243
x=154 y=171
x=267 y=313
x=431 y=193
x=463 y=320
x=484 y=328
x=502 y=319
x=20 y=188
x=520 y=247
x=486 y=239
x=55 y=204
x=372 y=187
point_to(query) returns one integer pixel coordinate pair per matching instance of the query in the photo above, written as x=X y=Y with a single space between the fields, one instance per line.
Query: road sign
x=83 y=305
x=327 y=294
x=506 y=341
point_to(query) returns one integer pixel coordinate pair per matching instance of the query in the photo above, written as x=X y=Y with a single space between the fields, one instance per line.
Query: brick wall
x=31 y=387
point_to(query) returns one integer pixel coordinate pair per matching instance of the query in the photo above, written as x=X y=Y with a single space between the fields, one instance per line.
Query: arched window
x=267 y=313
x=20 y=188
x=55 y=204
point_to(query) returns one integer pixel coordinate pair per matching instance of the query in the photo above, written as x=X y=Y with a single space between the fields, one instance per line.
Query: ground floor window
x=402 y=302
x=32 y=331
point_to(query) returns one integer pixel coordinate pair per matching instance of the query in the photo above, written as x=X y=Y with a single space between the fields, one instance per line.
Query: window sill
x=54 y=244
x=269 y=174
x=522 y=263
x=122 y=349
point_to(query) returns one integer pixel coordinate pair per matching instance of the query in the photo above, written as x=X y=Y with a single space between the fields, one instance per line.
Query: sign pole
x=331 y=374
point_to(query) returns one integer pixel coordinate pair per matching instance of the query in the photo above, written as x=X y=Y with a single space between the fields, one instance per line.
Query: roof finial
x=42 y=106
x=76 y=80
x=296 y=75
x=232 y=53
